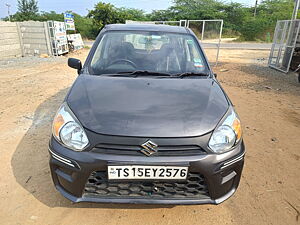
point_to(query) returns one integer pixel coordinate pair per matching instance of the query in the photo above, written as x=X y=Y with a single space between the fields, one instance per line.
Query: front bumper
x=71 y=170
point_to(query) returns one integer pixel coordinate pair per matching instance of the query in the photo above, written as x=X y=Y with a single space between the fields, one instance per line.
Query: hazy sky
x=81 y=6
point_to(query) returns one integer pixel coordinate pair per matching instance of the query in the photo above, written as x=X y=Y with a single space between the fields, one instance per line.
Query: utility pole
x=295 y=13
x=255 y=7
x=8 y=6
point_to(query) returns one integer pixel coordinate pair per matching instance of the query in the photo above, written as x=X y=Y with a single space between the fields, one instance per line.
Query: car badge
x=149 y=148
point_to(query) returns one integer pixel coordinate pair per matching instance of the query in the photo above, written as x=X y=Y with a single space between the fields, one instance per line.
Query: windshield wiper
x=144 y=72
x=136 y=73
x=186 y=74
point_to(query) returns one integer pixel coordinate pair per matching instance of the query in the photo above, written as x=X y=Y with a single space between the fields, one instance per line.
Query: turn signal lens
x=237 y=129
x=57 y=124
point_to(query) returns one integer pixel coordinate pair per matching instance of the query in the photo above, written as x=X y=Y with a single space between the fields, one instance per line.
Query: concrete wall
x=24 y=39
x=35 y=38
x=10 y=44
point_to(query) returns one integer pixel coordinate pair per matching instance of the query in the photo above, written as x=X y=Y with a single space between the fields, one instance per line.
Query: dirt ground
x=267 y=101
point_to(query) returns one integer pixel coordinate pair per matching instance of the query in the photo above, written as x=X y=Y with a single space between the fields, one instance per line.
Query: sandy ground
x=268 y=104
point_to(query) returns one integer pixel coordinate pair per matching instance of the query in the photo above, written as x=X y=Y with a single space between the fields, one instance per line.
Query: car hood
x=147 y=107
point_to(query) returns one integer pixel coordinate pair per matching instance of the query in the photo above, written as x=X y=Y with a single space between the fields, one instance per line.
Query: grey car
x=146 y=121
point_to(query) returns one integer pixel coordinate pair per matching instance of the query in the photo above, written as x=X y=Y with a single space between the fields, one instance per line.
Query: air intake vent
x=194 y=187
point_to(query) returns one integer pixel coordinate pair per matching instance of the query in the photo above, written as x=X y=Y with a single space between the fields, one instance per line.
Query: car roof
x=147 y=27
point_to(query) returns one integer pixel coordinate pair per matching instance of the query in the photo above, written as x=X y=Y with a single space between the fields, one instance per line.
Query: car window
x=121 y=51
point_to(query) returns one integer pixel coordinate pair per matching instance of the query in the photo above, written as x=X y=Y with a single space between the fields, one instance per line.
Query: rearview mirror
x=75 y=64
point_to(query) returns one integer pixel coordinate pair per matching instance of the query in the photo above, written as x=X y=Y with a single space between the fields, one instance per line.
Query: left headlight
x=227 y=134
x=67 y=129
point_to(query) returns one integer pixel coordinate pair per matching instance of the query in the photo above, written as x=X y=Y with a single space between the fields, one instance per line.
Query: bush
x=252 y=29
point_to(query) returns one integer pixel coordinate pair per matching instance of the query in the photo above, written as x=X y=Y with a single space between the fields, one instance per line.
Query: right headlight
x=68 y=130
x=227 y=134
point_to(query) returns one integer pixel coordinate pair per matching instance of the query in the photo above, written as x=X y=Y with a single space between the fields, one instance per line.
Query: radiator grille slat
x=162 y=150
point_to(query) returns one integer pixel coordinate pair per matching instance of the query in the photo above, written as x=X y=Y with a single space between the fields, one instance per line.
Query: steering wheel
x=123 y=60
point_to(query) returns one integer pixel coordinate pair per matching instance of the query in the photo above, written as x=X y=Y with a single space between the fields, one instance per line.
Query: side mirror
x=75 y=64
x=216 y=75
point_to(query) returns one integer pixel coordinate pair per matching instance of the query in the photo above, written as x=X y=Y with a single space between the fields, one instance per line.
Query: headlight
x=227 y=134
x=67 y=129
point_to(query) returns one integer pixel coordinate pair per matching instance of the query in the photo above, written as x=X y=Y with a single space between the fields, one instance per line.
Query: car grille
x=162 y=150
x=194 y=187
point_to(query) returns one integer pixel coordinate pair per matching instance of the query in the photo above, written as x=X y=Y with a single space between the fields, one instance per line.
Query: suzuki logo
x=149 y=148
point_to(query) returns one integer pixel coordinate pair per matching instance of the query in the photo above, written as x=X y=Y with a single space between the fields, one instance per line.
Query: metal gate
x=209 y=33
x=284 y=43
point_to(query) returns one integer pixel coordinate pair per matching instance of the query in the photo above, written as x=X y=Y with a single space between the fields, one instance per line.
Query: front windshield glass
x=128 y=51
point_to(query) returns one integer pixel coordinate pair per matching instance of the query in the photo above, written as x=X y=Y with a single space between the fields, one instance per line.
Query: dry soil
x=267 y=101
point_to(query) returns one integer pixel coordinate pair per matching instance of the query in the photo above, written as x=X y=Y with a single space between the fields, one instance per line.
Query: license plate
x=147 y=172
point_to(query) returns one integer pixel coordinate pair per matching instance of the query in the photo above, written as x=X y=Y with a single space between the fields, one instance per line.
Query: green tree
x=161 y=15
x=197 y=9
x=253 y=29
x=268 y=12
x=272 y=10
x=124 y=14
x=106 y=13
x=52 y=15
x=85 y=26
x=27 y=10
x=238 y=18
x=102 y=14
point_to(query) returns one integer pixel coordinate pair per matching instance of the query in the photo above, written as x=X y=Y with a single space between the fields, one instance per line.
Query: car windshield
x=160 y=52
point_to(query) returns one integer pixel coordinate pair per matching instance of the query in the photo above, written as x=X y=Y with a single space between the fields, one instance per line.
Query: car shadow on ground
x=30 y=161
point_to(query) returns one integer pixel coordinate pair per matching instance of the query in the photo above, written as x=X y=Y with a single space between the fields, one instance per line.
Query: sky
x=81 y=6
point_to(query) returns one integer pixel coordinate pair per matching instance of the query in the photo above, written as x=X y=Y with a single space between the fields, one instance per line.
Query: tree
x=161 y=15
x=106 y=13
x=85 y=26
x=272 y=10
x=263 y=25
x=238 y=18
x=130 y=14
x=197 y=9
x=103 y=14
x=27 y=10
x=52 y=15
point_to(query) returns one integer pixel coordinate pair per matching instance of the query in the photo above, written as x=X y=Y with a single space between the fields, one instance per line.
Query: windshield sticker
x=190 y=41
x=198 y=65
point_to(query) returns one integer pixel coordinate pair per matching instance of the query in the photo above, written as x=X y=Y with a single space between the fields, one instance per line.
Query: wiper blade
x=144 y=72
x=186 y=74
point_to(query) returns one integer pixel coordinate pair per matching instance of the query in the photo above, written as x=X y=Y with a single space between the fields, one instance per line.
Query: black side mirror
x=75 y=64
x=216 y=75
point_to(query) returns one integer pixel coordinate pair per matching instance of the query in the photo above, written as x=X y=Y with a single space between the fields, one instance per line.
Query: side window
x=99 y=51
x=194 y=54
